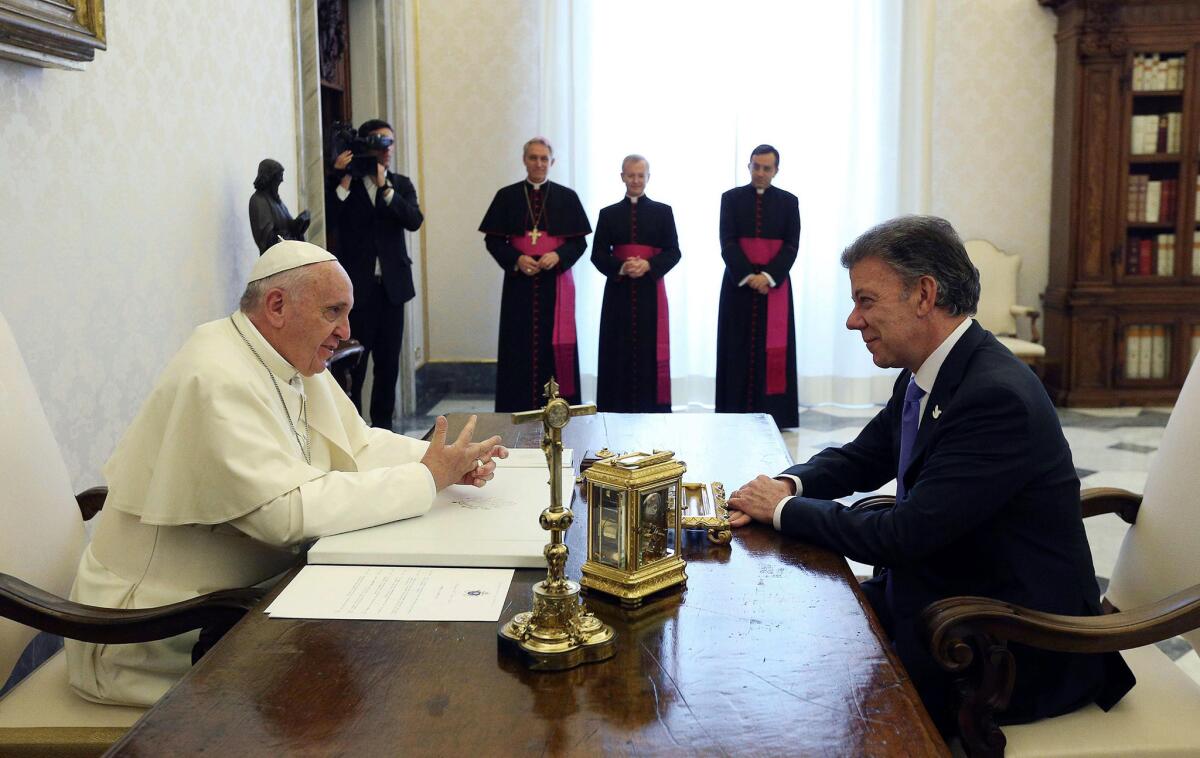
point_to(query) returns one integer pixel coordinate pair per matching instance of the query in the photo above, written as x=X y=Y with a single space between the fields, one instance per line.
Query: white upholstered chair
x=998 y=308
x=41 y=540
x=1154 y=594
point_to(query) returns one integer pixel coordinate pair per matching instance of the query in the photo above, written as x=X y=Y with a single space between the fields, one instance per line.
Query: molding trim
x=64 y=34
x=310 y=172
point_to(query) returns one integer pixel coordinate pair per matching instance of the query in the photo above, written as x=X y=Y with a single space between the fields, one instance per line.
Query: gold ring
x=478 y=463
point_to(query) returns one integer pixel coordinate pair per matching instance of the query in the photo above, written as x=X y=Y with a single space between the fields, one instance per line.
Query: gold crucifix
x=556 y=415
x=533 y=235
x=559 y=632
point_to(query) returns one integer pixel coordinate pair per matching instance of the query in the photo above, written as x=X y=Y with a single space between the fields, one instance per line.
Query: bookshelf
x=1122 y=302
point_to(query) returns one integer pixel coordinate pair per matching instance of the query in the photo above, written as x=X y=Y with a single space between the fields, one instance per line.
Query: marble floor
x=1111 y=447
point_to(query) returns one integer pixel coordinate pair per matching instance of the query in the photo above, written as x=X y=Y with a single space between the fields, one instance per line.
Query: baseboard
x=437 y=380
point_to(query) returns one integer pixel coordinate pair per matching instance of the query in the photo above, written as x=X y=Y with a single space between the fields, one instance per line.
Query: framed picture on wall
x=51 y=33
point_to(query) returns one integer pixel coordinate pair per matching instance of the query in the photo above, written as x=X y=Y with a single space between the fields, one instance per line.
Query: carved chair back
x=42 y=534
x=998 y=286
x=1160 y=553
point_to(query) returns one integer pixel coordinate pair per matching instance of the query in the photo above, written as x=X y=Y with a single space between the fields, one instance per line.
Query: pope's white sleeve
x=385 y=448
x=342 y=501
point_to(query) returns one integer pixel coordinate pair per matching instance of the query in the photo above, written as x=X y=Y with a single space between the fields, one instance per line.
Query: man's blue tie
x=909 y=418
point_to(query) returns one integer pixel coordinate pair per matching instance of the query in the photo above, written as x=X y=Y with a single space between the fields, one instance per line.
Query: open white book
x=494 y=526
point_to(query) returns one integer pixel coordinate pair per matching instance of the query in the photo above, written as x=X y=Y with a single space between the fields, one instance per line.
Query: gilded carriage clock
x=633 y=522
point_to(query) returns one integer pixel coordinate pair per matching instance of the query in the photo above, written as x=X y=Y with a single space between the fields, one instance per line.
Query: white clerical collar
x=536 y=185
x=760 y=190
x=633 y=198
x=275 y=362
x=926 y=375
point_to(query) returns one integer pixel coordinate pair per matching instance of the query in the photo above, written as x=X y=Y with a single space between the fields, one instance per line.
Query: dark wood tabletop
x=771 y=650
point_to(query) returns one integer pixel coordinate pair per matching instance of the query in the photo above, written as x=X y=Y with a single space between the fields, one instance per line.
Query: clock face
x=558 y=413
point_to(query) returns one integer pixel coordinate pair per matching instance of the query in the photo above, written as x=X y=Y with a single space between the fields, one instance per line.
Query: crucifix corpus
x=560 y=632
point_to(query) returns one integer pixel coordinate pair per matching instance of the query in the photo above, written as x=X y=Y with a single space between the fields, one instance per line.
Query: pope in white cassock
x=245 y=449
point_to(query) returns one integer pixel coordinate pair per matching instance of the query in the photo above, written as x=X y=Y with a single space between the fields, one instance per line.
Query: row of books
x=1150 y=256
x=1156 y=133
x=1154 y=72
x=1154 y=200
x=1147 y=351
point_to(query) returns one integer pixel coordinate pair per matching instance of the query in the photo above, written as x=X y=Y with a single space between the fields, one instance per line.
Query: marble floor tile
x=1190 y=663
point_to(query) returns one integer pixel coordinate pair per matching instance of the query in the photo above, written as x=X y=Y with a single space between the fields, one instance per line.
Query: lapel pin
x=937 y=411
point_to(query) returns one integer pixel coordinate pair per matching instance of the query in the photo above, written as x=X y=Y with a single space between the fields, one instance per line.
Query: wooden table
x=772 y=650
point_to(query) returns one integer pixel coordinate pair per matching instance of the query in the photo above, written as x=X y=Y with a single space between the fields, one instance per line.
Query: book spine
x=1145 y=255
x=1153 y=200
x=1158 y=352
x=1133 y=352
x=1145 y=354
x=1131 y=255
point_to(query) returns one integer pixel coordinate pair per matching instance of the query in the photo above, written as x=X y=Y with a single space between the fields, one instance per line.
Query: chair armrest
x=969 y=636
x=91 y=501
x=1097 y=500
x=345 y=349
x=1032 y=314
x=874 y=503
x=28 y=605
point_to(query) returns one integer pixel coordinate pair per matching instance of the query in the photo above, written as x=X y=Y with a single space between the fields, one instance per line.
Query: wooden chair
x=345 y=357
x=41 y=542
x=998 y=307
x=1152 y=596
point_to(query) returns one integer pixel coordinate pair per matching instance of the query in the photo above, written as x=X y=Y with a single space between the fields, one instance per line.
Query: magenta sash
x=563 y=337
x=662 y=345
x=760 y=252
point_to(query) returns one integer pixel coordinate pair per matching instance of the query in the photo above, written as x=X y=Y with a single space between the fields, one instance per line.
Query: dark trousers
x=379 y=326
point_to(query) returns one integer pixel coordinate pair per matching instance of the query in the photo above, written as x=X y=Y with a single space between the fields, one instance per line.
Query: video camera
x=345 y=137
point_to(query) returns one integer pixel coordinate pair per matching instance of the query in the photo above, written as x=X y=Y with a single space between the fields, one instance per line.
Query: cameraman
x=370 y=209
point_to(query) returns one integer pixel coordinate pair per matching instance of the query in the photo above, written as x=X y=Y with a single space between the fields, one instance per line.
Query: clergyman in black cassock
x=756 y=332
x=536 y=230
x=634 y=247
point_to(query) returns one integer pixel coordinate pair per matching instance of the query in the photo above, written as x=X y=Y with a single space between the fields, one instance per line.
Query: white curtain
x=840 y=89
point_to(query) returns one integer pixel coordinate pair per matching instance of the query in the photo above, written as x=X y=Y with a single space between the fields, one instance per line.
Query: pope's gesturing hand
x=464 y=461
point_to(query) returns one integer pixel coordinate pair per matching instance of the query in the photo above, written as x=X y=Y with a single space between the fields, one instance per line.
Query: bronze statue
x=270 y=220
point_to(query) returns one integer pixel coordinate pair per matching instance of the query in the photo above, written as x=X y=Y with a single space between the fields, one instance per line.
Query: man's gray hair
x=916 y=246
x=634 y=158
x=537 y=141
x=252 y=297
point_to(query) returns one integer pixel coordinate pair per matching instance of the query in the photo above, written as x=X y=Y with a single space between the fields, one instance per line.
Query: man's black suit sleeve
x=669 y=255
x=978 y=462
x=403 y=205
x=783 y=261
x=736 y=262
x=500 y=249
x=570 y=251
x=602 y=258
x=863 y=465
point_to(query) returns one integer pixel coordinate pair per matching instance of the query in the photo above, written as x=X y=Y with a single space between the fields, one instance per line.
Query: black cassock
x=633 y=375
x=527 y=356
x=751 y=378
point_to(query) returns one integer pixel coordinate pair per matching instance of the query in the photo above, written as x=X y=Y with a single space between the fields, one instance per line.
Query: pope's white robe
x=209 y=490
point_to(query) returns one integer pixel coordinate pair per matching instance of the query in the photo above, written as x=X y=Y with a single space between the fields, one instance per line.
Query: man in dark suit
x=987 y=495
x=370 y=214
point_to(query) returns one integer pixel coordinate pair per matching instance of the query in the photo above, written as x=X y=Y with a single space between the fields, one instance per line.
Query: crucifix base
x=559 y=633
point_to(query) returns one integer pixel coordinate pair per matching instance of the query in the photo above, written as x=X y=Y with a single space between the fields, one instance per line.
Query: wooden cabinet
x=1122 y=304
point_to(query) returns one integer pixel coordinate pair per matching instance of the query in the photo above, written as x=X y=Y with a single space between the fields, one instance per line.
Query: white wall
x=479 y=87
x=993 y=121
x=478 y=91
x=123 y=218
